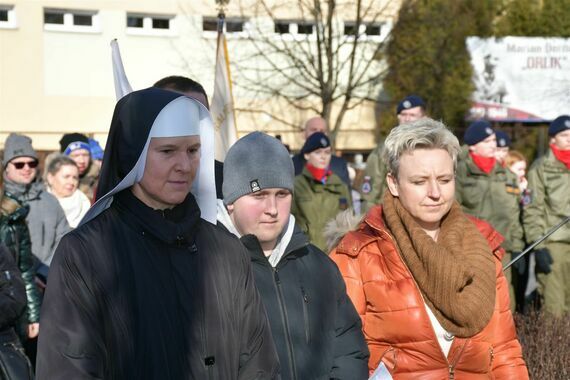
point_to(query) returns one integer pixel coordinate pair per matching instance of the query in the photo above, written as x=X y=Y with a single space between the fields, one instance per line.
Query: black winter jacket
x=316 y=329
x=12 y=291
x=16 y=237
x=142 y=294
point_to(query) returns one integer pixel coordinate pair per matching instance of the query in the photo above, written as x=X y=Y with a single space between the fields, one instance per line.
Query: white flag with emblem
x=122 y=86
x=222 y=109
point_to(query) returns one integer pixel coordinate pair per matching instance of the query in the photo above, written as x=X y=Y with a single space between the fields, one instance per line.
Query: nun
x=147 y=287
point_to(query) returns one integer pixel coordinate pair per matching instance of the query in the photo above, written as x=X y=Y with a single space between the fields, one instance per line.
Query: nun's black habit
x=136 y=293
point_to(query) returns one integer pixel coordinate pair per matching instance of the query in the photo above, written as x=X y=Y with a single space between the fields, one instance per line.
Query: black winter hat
x=503 y=139
x=410 y=101
x=70 y=138
x=316 y=141
x=478 y=131
x=561 y=123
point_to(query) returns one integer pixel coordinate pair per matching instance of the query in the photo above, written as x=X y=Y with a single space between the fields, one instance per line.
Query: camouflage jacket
x=315 y=204
x=493 y=197
x=549 y=184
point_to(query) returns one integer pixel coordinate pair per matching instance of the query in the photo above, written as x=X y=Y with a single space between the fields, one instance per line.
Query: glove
x=520 y=264
x=543 y=260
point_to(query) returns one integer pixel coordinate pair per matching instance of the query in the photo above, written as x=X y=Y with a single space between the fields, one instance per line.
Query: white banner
x=122 y=85
x=520 y=78
x=222 y=108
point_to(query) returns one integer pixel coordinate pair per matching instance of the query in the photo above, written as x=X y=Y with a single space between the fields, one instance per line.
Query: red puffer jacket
x=395 y=321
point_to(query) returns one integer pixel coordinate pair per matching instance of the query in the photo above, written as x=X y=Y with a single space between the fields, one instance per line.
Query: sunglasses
x=20 y=165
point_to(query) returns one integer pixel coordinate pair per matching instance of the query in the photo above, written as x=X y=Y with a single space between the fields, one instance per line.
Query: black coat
x=317 y=331
x=12 y=291
x=142 y=294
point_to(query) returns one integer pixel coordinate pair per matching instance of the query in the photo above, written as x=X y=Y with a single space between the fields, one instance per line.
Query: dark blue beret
x=410 y=101
x=503 y=139
x=316 y=141
x=478 y=131
x=561 y=123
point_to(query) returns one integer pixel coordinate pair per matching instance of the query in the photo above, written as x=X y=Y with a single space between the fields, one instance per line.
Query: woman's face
x=171 y=165
x=425 y=185
x=320 y=158
x=519 y=168
x=65 y=181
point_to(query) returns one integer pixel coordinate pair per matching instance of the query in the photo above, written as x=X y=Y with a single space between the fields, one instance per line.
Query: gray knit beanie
x=255 y=162
x=17 y=146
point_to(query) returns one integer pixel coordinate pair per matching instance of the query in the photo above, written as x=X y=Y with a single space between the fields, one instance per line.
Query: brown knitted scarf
x=456 y=274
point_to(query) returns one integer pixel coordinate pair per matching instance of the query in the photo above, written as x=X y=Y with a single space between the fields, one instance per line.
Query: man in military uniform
x=411 y=108
x=503 y=146
x=487 y=190
x=549 y=182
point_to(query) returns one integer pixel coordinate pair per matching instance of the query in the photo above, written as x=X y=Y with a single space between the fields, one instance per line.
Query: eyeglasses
x=20 y=165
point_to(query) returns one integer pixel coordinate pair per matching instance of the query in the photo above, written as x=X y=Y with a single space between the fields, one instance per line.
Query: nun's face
x=171 y=165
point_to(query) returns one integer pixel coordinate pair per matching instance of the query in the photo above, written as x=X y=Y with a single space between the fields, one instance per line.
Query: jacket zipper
x=306 y=315
x=285 y=319
x=450 y=366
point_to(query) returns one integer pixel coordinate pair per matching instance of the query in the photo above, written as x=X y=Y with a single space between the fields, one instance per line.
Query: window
x=305 y=28
x=367 y=29
x=209 y=24
x=160 y=23
x=71 y=20
x=231 y=25
x=281 y=27
x=289 y=28
x=7 y=17
x=350 y=29
x=83 y=20
x=373 y=29
x=150 y=24
x=135 y=21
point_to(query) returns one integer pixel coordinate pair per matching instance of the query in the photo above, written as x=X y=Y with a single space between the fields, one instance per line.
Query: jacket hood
x=24 y=193
x=137 y=118
x=292 y=238
x=343 y=223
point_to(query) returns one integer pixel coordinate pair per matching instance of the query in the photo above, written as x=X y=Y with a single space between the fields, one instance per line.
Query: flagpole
x=221 y=19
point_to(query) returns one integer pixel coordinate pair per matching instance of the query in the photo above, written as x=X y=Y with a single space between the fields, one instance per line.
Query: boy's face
x=264 y=214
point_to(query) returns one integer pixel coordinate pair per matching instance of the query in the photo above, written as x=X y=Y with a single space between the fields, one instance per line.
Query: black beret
x=316 y=141
x=478 y=131
x=410 y=101
x=503 y=139
x=561 y=123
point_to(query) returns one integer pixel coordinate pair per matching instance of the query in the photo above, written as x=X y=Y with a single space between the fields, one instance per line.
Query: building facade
x=56 y=72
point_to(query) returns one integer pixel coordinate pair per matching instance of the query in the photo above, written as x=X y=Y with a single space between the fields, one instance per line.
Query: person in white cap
x=146 y=287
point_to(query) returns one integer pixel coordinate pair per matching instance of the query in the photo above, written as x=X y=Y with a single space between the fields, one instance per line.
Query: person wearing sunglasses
x=45 y=219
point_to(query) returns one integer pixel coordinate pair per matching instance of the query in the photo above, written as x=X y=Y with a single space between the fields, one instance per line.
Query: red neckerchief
x=320 y=175
x=561 y=155
x=486 y=164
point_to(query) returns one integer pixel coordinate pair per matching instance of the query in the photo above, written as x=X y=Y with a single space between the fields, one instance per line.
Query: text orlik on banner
x=520 y=78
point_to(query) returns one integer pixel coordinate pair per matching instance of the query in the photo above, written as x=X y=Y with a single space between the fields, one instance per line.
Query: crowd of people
x=152 y=260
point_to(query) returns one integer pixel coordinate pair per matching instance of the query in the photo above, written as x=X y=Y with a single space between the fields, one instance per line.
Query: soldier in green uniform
x=319 y=194
x=411 y=108
x=487 y=190
x=549 y=183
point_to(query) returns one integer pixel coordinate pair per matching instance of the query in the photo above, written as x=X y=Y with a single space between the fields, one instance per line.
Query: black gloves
x=520 y=264
x=543 y=260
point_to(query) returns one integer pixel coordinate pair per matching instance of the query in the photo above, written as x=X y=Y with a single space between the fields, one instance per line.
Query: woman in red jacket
x=425 y=278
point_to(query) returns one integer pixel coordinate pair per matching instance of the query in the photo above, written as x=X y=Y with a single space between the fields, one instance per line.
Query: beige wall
x=54 y=82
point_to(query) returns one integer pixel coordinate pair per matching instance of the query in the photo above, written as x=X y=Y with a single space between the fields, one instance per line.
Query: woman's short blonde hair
x=424 y=133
